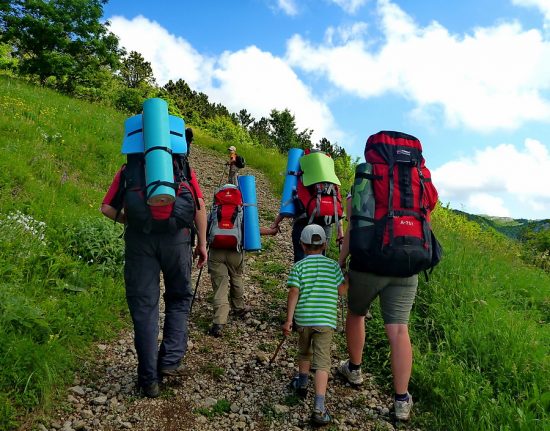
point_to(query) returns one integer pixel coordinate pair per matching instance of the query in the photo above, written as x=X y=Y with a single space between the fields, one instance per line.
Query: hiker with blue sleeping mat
x=314 y=284
x=311 y=194
x=157 y=197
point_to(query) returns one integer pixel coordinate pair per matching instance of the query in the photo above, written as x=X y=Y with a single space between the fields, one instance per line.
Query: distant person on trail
x=387 y=252
x=156 y=245
x=234 y=163
x=314 y=285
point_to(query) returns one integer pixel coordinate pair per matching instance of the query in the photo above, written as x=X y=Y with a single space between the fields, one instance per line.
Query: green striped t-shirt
x=317 y=277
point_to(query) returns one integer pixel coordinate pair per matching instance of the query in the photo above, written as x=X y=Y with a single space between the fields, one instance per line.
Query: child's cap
x=313 y=234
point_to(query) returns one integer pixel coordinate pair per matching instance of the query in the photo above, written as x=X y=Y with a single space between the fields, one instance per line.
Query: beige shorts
x=314 y=346
x=396 y=295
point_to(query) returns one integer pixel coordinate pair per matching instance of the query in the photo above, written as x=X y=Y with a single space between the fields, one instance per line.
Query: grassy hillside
x=480 y=326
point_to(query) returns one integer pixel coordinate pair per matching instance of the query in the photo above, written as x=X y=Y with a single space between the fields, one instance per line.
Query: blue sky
x=470 y=79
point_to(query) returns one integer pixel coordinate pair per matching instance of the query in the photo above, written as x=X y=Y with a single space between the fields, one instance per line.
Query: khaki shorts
x=396 y=295
x=314 y=346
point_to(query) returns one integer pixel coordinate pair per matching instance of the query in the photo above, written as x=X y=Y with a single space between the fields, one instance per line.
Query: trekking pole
x=342 y=301
x=195 y=292
x=277 y=351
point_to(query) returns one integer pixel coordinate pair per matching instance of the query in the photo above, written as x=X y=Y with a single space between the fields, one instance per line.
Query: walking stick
x=195 y=292
x=277 y=350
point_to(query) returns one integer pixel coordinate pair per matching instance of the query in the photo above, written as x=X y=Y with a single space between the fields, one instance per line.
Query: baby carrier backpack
x=225 y=222
x=318 y=196
x=391 y=234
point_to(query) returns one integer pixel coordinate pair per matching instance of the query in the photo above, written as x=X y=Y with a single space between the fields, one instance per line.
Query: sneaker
x=151 y=391
x=216 y=330
x=180 y=370
x=403 y=408
x=320 y=418
x=353 y=377
x=294 y=386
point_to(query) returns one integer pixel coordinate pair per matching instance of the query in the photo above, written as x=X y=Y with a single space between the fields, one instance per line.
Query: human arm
x=111 y=212
x=292 y=300
x=200 y=224
x=340 y=232
x=276 y=222
x=344 y=250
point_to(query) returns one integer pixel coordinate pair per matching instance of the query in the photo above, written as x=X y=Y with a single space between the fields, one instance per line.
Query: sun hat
x=313 y=234
x=232 y=148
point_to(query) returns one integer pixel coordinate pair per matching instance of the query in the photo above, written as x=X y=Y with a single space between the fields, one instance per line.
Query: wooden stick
x=277 y=350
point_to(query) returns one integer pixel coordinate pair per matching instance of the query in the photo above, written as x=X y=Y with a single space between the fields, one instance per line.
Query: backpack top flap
x=318 y=167
x=393 y=147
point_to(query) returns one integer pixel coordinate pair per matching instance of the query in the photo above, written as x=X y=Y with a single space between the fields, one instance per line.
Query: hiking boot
x=151 y=391
x=242 y=312
x=353 y=377
x=403 y=408
x=216 y=330
x=320 y=418
x=294 y=386
x=180 y=370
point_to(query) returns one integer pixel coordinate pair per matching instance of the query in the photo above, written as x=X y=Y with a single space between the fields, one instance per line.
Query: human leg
x=142 y=278
x=175 y=252
x=235 y=268
x=396 y=302
x=217 y=267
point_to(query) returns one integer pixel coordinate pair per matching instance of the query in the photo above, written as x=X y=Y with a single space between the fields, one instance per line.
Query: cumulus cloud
x=499 y=180
x=344 y=34
x=171 y=57
x=470 y=78
x=258 y=81
x=350 y=6
x=248 y=79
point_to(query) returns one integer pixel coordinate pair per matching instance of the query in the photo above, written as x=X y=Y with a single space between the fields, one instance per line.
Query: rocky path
x=229 y=384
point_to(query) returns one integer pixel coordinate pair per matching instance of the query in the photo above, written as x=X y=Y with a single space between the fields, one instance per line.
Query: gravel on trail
x=229 y=384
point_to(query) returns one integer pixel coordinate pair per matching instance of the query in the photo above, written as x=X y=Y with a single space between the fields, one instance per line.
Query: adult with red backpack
x=314 y=199
x=389 y=241
x=158 y=238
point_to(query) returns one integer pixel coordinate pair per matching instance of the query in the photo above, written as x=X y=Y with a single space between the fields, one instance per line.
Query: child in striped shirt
x=314 y=285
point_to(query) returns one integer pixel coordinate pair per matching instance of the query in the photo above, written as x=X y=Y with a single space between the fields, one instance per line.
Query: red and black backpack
x=399 y=241
x=225 y=223
x=132 y=195
x=319 y=203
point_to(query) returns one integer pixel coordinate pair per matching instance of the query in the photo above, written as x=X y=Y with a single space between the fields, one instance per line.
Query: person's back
x=314 y=285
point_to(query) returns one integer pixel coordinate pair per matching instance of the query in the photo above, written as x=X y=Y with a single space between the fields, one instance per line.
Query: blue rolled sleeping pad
x=288 y=208
x=159 y=170
x=251 y=222
x=133 y=135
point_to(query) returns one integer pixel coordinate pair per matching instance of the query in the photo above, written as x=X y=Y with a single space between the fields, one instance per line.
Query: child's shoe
x=294 y=386
x=320 y=418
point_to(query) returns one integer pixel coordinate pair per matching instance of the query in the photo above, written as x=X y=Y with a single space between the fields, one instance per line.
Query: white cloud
x=350 y=6
x=502 y=179
x=542 y=5
x=288 y=6
x=494 y=78
x=248 y=79
x=171 y=57
x=258 y=81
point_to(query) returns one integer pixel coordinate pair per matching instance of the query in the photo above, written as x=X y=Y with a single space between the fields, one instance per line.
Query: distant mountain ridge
x=508 y=226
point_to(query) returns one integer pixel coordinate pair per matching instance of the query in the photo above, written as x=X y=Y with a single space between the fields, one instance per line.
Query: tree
x=245 y=119
x=135 y=71
x=260 y=132
x=283 y=130
x=63 y=39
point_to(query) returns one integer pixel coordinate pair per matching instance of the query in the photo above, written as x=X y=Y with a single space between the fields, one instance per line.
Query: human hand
x=268 y=231
x=287 y=328
x=200 y=252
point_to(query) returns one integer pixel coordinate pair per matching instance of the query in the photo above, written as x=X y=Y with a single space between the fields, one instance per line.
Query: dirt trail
x=228 y=385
